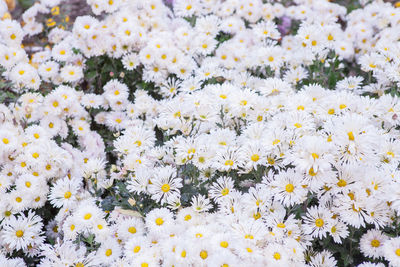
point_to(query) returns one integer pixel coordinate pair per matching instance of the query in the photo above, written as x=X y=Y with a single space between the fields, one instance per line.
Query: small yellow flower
x=50 y=22
x=55 y=11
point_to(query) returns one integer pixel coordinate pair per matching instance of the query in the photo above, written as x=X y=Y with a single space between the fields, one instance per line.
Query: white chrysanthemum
x=164 y=183
x=288 y=188
x=136 y=246
x=317 y=222
x=277 y=255
x=312 y=152
x=109 y=251
x=66 y=252
x=159 y=220
x=87 y=213
x=70 y=73
x=391 y=251
x=200 y=203
x=221 y=188
x=129 y=229
x=324 y=258
x=21 y=231
x=371 y=243
x=64 y=192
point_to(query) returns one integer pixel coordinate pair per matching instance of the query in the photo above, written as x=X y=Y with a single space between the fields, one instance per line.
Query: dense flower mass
x=200 y=133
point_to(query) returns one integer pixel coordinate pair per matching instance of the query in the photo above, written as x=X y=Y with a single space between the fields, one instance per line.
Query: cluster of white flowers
x=243 y=159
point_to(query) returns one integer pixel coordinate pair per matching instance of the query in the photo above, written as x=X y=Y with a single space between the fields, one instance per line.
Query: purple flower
x=169 y=2
x=285 y=25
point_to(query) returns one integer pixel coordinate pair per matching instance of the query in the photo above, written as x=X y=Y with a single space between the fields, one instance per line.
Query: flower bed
x=200 y=133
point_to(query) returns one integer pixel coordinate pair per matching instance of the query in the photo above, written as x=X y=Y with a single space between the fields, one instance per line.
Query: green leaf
x=91 y=74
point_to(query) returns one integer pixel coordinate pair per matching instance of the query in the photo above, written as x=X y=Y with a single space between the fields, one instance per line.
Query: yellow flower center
x=87 y=216
x=342 y=183
x=165 y=188
x=319 y=222
x=375 y=243
x=224 y=244
x=67 y=194
x=315 y=155
x=271 y=161
x=289 y=188
x=159 y=221
x=249 y=236
x=277 y=256
x=351 y=136
x=229 y=162
x=255 y=157
x=225 y=191
x=311 y=172
x=203 y=254
x=281 y=225
x=108 y=252
x=298 y=125
x=19 y=233
x=276 y=141
x=136 y=249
